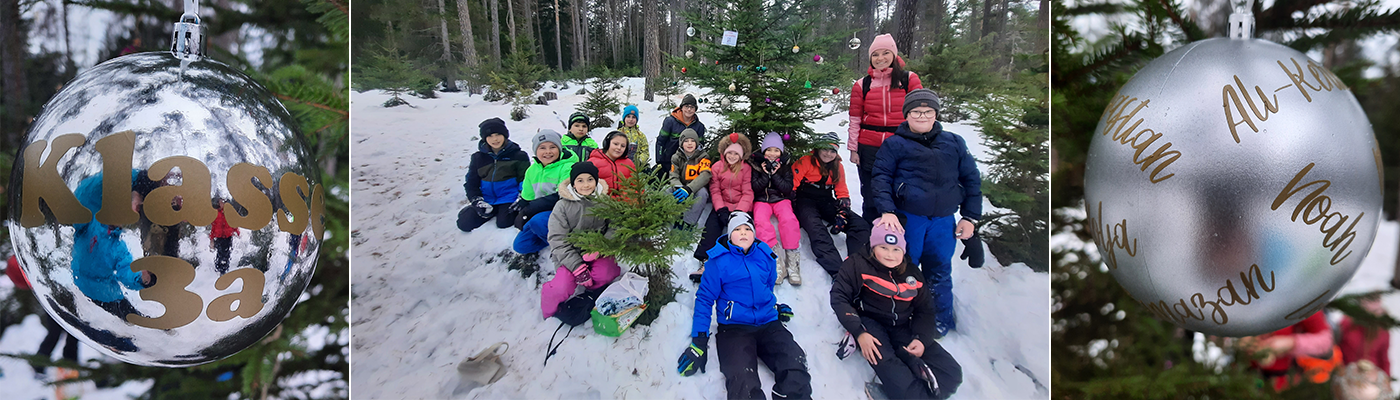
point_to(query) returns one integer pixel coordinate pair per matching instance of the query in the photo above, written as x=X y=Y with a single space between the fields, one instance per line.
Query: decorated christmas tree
x=765 y=67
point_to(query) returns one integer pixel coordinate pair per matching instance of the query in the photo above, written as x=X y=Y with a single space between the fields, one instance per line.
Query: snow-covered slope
x=427 y=296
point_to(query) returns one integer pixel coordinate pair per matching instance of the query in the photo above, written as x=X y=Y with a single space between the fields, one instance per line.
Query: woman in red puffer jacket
x=877 y=104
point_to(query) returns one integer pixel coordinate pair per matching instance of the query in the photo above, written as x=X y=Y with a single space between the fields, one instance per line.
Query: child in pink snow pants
x=571 y=214
x=772 y=196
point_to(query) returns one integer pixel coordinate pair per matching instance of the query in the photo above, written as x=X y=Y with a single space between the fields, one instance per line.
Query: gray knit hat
x=547 y=135
x=920 y=98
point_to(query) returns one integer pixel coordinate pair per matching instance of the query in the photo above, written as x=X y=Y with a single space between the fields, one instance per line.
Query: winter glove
x=483 y=209
x=784 y=312
x=582 y=275
x=590 y=257
x=841 y=220
x=681 y=194
x=844 y=202
x=972 y=251
x=723 y=213
x=694 y=358
x=517 y=206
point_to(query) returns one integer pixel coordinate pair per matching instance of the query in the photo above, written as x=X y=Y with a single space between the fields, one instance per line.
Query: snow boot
x=875 y=391
x=846 y=347
x=782 y=266
x=695 y=276
x=480 y=370
x=794 y=265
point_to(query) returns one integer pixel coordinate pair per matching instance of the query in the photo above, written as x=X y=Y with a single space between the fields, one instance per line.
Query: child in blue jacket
x=927 y=175
x=493 y=178
x=739 y=284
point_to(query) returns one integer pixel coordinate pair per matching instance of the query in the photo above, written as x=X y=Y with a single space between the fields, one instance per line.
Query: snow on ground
x=427 y=296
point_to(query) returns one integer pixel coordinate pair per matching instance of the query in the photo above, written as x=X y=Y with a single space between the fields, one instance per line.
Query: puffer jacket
x=812 y=183
x=571 y=214
x=865 y=288
x=930 y=174
x=544 y=180
x=882 y=108
x=637 y=148
x=675 y=123
x=581 y=148
x=775 y=187
x=101 y=261
x=690 y=170
x=496 y=176
x=737 y=285
x=611 y=170
x=731 y=189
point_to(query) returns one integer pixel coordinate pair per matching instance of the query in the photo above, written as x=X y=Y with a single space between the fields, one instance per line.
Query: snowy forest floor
x=427 y=296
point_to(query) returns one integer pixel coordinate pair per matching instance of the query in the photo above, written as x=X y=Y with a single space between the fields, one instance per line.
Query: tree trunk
x=988 y=19
x=450 y=79
x=510 y=25
x=906 y=14
x=651 y=50
x=496 y=32
x=1042 y=41
x=870 y=31
x=468 y=40
x=558 y=47
x=12 y=55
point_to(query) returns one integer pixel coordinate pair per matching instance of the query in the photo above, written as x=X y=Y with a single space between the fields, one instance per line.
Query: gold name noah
x=42 y=182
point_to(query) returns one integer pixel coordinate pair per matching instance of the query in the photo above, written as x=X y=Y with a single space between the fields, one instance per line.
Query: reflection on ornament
x=689 y=54
x=854 y=43
x=731 y=87
x=1233 y=186
x=690 y=31
x=122 y=129
x=796 y=49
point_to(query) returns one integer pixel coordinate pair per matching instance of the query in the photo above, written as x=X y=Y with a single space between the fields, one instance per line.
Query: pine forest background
x=1104 y=344
x=297 y=49
x=986 y=58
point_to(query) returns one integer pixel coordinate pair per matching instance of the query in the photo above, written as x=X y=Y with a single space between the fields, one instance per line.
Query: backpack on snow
x=573 y=312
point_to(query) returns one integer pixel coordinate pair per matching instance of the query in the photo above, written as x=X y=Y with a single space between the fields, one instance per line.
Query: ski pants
x=56 y=332
x=702 y=201
x=931 y=242
x=897 y=368
x=741 y=347
x=714 y=228
x=468 y=220
x=813 y=214
x=604 y=270
x=532 y=236
x=763 y=214
x=535 y=207
x=866 y=171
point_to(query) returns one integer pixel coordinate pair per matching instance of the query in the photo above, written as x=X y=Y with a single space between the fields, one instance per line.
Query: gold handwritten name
x=1108 y=237
x=1227 y=295
x=1117 y=124
x=1229 y=95
x=1316 y=208
x=1325 y=79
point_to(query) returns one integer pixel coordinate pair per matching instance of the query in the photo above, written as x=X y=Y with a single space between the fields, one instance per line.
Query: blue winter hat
x=631 y=110
x=494 y=125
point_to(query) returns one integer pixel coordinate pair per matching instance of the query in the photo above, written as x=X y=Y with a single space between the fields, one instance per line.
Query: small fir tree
x=390 y=70
x=601 y=104
x=641 y=214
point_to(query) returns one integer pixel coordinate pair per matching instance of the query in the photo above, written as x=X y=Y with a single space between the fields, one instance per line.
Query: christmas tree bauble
x=690 y=31
x=181 y=215
x=796 y=49
x=854 y=43
x=1233 y=186
x=689 y=54
x=731 y=87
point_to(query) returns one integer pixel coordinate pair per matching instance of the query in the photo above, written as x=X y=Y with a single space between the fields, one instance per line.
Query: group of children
x=918 y=175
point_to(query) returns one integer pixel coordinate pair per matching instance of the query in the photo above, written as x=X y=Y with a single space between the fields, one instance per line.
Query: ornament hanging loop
x=187 y=42
x=1242 y=20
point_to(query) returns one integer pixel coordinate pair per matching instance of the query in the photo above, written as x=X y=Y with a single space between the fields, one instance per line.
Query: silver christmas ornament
x=689 y=54
x=133 y=161
x=1233 y=186
x=854 y=43
x=690 y=31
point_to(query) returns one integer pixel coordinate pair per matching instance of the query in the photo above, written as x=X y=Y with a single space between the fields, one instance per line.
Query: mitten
x=972 y=251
